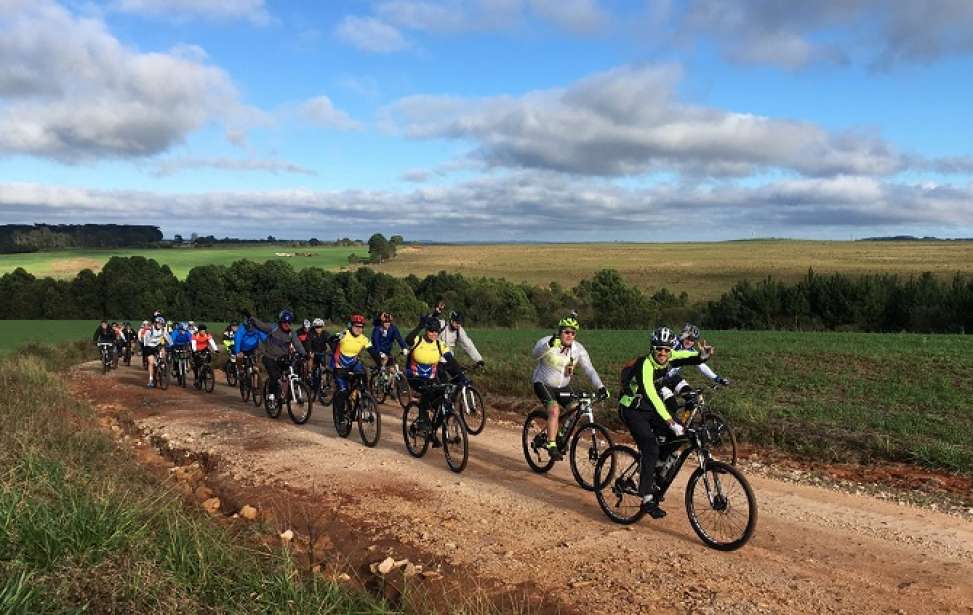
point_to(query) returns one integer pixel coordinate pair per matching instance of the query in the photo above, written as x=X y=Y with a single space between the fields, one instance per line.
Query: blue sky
x=567 y=120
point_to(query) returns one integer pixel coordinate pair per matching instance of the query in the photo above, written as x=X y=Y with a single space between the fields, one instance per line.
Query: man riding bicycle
x=154 y=343
x=345 y=361
x=384 y=335
x=648 y=401
x=558 y=356
x=422 y=369
x=203 y=344
x=104 y=334
x=279 y=343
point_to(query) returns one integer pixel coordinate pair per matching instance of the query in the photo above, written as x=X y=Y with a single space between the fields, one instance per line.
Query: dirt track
x=815 y=550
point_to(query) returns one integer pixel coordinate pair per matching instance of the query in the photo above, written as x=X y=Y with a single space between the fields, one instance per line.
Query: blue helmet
x=182 y=326
x=285 y=316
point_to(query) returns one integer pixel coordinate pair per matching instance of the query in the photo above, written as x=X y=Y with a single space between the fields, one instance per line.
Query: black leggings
x=645 y=425
x=273 y=373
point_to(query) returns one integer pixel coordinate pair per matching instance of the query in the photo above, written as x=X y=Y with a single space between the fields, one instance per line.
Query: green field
x=824 y=395
x=703 y=270
x=66 y=263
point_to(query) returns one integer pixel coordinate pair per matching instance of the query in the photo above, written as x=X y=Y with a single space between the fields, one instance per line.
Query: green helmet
x=569 y=322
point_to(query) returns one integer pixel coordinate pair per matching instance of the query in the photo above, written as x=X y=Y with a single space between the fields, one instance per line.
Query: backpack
x=630 y=371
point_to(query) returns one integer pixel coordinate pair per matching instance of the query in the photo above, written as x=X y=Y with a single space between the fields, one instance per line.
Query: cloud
x=253 y=11
x=320 y=110
x=627 y=121
x=416 y=176
x=530 y=205
x=70 y=91
x=172 y=166
x=578 y=16
x=371 y=34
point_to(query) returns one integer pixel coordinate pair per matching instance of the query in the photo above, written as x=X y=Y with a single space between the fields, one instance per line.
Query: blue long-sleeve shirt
x=246 y=340
x=382 y=339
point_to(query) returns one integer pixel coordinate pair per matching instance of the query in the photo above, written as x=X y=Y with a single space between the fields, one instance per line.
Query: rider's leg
x=151 y=359
x=273 y=373
x=640 y=425
x=341 y=390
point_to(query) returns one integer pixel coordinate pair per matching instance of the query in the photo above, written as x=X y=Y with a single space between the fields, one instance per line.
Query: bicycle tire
x=342 y=425
x=256 y=388
x=535 y=430
x=454 y=437
x=326 y=387
x=229 y=370
x=402 y=390
x=376 y=386
x=596 y=441
x=474 y=418
x=722 y=444
x=244 y=384
x=612 y=475
x=369 y=421
x=208 y=378
x=272 y=408
x=415 y=443
x=300 y=403
x=162 y=377
x=722 y=504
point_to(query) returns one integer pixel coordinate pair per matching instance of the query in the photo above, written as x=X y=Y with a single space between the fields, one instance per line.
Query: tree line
x=39 y=237
x=133 y=287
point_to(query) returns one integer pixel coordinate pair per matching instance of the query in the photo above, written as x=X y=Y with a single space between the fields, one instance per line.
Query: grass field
x=703 y=270
x=66 y=263
x=823 y=395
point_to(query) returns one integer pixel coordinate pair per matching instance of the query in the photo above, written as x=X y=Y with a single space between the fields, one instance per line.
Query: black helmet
x=663 y=337
x=455 y=317
x=432 y=324
x=689 y=331
x=201 y=327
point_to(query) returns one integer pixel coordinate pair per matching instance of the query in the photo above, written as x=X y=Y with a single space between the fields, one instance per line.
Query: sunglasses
x=569 y=332
x=662 y=349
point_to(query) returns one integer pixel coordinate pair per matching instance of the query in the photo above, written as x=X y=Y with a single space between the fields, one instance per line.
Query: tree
x=379 y=249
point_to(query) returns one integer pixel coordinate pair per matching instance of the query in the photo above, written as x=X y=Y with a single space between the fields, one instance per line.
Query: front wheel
x=617 y=479
x=587 y=446
x=534 y=440
x=456 y=444
x=207 y=378
x=299 y=403
x=369 y=421
x=472 y=409
x=415 y=441
x=162 y=376
x=721 y=506
x=376 y=385
x=271 y=406
x=230 y=371
x=342 y=420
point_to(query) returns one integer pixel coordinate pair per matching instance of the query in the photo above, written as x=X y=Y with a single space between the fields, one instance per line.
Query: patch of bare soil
x=815 y=550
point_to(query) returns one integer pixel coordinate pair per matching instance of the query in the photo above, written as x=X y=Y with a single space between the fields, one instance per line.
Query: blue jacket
x=382 y=340
x=181 y=338
x=246 y=340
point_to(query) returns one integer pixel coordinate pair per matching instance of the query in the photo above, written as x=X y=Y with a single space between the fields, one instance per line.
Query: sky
x=486 y=120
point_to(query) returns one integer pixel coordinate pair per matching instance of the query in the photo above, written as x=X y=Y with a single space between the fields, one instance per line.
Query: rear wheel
x=617 y=478
x=534 y=440
x=721 y=506
x=244 y=388
x=587 y=446
x=415 y=442
x=456 y=445
x=299 y=403
x=256 y=388
x=472 y=409
x=369 y=421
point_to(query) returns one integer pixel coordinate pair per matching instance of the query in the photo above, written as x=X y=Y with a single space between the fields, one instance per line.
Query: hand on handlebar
x=603 y=393
x=676 y=428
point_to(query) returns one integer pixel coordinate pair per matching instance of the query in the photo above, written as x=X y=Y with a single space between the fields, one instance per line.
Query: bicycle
x=446 y=420
x=250 y=381
x=229 y=369
x=715 y=488
x=162 y=371
x=387 y=380
x=364 y=410
x=291 y=390
x=472 y=409
x=107 y=358
x=180 y=366
x=722 y=442
x=322 y=380
x=127 y=356
x=579 y=434
x=203 y=378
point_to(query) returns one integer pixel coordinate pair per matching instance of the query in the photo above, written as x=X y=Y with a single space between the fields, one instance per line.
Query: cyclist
x=317 y=347
x=454 y=334
x=154 y=342
x=120 y=339
x=182 y=340
x=229 y=333
x=146 y=327
x=687 y=341
x=191 y=327
x=203 y=345
x=344 y=360
x=384 y=335
x=280 y=341
x=130 y=334
x=558 y=356
x=647 y=405
x=104 y=334
x=247 y=340
x=422 y=366
x=304 y=332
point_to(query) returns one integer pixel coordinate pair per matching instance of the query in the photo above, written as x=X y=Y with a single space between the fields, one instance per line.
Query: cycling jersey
x=247 y=339
x=278 y=342
x=154 y=338
x=318 y=343
x=556 y=364
x=203 y=341
x=347 y=348
x=383 y=339
x=104 y=336
x=643 y=394
x=424 y=358
x=181 y=339
x=228 y=336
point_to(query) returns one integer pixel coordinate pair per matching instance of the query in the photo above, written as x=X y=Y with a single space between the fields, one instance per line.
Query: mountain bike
x=446 y=420
x=389 y=380
x=162 y=371
x=229 y=370
x=251 y=385
x=203 y=377
x=291 y=390
x=322 y=380
x=180 y=365
x=720 y=504
x=469 y=401
x=107 y=358
x=578 y=434
x=361 y=407
x=127 y=355
x=697 y=414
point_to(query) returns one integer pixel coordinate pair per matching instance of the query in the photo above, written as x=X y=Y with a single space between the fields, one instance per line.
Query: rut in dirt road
x=814 y=551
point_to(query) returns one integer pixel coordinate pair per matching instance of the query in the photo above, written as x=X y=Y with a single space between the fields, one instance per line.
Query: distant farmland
x=704 y=270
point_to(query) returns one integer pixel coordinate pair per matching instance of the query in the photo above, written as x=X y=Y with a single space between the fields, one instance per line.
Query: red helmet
x=357 y=319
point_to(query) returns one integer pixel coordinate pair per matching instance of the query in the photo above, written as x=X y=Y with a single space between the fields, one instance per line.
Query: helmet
x=455 y=316
x=160 y=320
x=182 y=326
x=690 y=331
x=145 y=322
x=663 y=337
x=285 y=316
x=357 y=319
x=569 y=322
x=432 y=324
x=307 y=323
x=318 y=322
x=191 y=323
x=201 y=326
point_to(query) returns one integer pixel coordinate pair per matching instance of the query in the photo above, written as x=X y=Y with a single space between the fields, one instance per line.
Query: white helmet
x=318 y=322
x=307 y=323
x=663 y=337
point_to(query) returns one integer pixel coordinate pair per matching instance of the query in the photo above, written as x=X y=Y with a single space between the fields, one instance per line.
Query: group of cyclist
x=651 y=384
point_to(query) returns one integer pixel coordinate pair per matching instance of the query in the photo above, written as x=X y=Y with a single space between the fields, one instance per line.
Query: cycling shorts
x=551 y=395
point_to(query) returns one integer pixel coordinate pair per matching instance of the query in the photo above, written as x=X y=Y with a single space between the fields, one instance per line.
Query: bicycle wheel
x=415 y=443
x=342 y=424
x=534 y=440
x=369 y=421
x=721 y=506
x=271 y=406
x=587 y=445
x=207 y=378
x=721 y=442
x=229 y=370
x=456 y=444
x=162 y=376
x=299 y=403
x=376 y=385
x=617 y=478
x=326 y=388
x=472 y=409
x=256 y=388
x=244 y=384
x=402 y=390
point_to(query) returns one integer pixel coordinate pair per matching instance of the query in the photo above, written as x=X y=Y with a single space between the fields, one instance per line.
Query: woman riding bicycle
x=426 y=355
x=384 y=335
x=345 y=361
x=647 y=404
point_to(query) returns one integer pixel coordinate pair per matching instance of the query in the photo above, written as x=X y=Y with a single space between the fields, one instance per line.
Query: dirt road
x=814 y=551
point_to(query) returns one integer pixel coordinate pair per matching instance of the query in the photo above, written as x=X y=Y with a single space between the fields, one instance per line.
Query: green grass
x=66 y=263
x=827 y=396
x=14 y=333
x=84 y=529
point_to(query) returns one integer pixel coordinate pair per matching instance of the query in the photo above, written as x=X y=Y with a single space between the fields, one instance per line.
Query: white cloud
x=70 y=91
x=578 y=16
x=172 y=166
x=321 y=111
x=220 y=10
x=627 y=121
x=371 y=34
